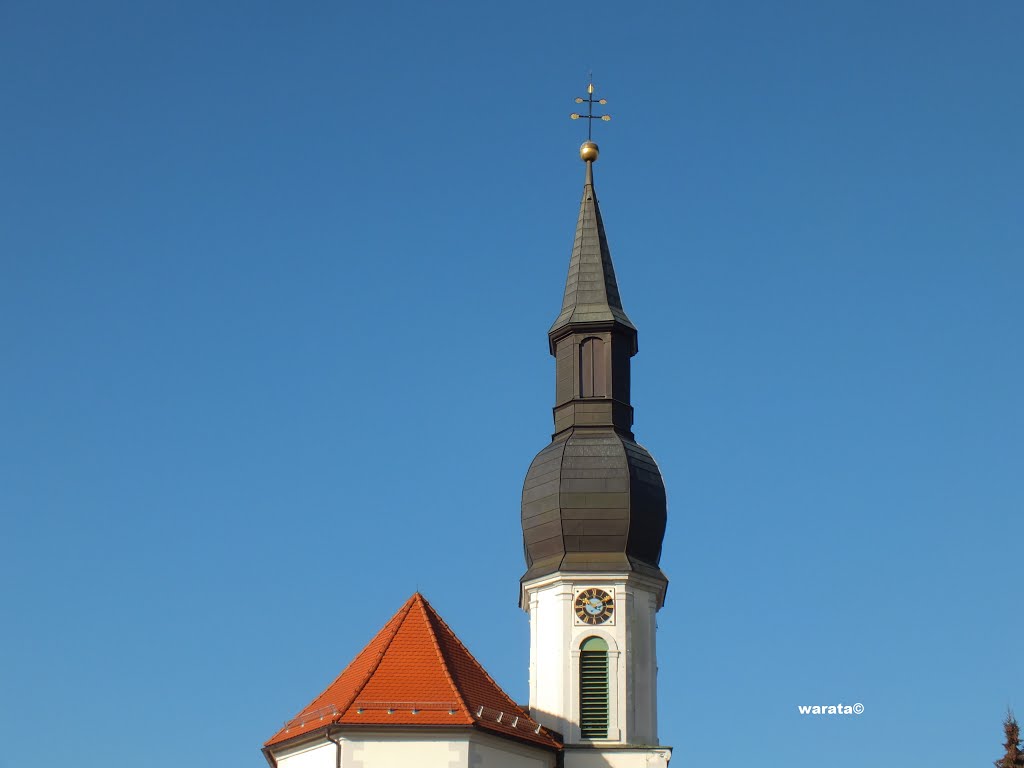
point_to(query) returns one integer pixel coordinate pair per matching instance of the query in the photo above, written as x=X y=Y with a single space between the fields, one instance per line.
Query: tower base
x=616 y=757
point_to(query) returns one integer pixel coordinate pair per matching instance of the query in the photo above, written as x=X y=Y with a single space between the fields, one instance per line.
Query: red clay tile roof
x=416 y=672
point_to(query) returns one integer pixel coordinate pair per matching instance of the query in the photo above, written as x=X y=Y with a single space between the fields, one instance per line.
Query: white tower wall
x=555 y=639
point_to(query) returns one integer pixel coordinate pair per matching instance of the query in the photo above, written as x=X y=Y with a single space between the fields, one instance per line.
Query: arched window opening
x=594 y=688
x=593 y=368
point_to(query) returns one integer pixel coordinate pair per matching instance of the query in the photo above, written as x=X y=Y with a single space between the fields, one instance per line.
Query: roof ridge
x=598 y=225
x=394 y=623
x=473 y=658
x=431 y=614
x=577 y=250
x=405 y=609
x=397 y=622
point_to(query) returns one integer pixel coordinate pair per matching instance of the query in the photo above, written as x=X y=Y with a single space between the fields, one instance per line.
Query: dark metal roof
x=594 y=499
x=591 y=292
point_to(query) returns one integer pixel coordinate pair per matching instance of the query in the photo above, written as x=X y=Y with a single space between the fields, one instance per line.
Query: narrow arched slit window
x=593 y=368
x=594 y=688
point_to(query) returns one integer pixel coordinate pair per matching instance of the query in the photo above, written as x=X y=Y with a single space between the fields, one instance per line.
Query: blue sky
x=274 y=287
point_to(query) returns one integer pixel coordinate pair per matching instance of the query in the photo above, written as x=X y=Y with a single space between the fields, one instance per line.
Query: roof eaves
x=542 y=738
x=298 y=738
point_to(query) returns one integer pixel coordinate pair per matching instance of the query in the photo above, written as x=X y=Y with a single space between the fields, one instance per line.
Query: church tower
x=593 y=519
x=593 y=516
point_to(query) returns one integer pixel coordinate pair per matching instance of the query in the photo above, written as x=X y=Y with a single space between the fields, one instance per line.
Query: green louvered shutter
x=594 y=689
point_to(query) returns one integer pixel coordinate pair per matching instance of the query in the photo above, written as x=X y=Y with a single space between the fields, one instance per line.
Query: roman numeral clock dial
x=593 y=606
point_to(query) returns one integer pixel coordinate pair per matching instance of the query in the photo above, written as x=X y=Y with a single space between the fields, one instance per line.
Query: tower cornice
x=658 y=585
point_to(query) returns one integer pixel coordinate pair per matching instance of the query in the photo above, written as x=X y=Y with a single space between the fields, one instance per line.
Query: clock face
x=593 y=606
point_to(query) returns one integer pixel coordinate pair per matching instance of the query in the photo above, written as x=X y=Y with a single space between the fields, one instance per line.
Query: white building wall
x=394 y=753
x=319 y=754
x=642 y=666
x=549 y=607
x=632 y=758
x=398 y=749
x=494 y=752
x=382 y=751
x=555 y=640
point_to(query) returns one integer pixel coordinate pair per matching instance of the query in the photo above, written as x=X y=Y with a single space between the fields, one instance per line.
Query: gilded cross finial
x=588 y=151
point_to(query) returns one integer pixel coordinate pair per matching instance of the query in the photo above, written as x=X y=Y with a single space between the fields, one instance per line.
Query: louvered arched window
x=594 y=688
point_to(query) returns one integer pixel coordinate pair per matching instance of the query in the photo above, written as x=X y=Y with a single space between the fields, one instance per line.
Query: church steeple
x=593 y=500
x=593 y=516
x=592 y=338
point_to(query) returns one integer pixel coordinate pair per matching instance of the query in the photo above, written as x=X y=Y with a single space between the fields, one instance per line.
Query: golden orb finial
x=588 y=151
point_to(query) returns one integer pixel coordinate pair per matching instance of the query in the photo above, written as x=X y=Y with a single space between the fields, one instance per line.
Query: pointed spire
x=591 y=292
